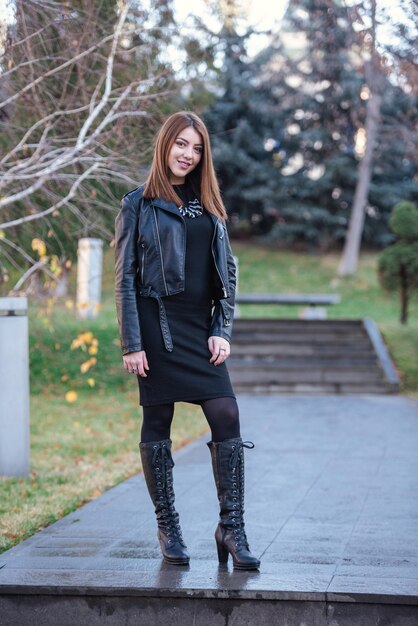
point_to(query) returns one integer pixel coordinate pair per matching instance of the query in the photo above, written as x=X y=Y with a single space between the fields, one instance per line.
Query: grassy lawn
x=80 y=449
x=77 y=452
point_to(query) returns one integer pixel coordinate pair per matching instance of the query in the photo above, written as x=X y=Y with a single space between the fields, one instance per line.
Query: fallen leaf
x=71 y=396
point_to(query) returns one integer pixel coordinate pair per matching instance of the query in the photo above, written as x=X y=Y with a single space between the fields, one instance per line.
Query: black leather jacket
x=150 y=247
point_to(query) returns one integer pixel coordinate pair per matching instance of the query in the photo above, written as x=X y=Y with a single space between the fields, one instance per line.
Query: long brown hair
x=202 y=179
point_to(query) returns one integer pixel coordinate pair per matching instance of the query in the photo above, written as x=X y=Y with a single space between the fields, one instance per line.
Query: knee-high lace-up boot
x=157 y=464
x=228 y=471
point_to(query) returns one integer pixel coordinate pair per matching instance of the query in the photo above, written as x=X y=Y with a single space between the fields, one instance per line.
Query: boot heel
x=223 y=553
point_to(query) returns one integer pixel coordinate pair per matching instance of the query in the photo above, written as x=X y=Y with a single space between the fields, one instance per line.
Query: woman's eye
x=180 y=144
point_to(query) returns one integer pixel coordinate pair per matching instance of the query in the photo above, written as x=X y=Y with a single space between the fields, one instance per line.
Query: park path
x=331 y=509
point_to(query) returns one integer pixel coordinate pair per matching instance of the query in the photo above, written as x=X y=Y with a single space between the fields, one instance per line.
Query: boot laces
x=237 y=514
x=237 y=452
x=240 y=537
x=168 y=519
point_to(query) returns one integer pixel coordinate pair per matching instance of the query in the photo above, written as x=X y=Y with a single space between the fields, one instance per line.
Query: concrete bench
x=315 y=302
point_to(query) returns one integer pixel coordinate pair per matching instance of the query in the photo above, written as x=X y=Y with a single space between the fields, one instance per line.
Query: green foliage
x=404 y=221
x=397 y=260
x=55 y=368
x=398 y=264
x=394 y=176
x=51 y=338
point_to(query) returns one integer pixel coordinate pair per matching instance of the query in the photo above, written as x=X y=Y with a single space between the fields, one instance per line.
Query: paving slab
x=331 y=510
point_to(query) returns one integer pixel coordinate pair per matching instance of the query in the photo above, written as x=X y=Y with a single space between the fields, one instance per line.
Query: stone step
x=295 y=325
x=277 y=362
x=273 y=337
x=315 y=388
x=248 y=322
x=336 y=356
x=271 y=376
x=301 y=349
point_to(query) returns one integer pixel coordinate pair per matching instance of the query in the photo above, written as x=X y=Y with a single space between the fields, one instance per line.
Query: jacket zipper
x=216 y=265
x=161 y=251
x=142 y=263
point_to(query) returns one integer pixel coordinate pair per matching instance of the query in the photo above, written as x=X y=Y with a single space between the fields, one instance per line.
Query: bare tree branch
x=39 y=265
x=56 y=206
x=55 y=70
x=108 y=83
x=77 y=87
x=25 y=255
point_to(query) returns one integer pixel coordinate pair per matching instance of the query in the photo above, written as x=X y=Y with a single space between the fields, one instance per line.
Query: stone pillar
x=313 y=313
x=14 y=387
x=89 y=277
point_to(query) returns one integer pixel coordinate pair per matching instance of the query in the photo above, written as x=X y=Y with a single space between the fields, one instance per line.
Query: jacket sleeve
x=223 y=313
x=126 y=268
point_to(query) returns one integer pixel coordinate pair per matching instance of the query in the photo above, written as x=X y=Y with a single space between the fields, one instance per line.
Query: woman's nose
x=188 y=152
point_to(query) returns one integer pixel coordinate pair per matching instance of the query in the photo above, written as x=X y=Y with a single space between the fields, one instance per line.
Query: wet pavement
x=331 y=510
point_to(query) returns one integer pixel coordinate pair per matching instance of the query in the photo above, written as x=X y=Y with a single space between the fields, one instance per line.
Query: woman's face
x=184 y=155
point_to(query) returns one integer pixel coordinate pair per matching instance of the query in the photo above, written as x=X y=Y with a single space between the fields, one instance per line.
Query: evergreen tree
x=317 y=92
x=321 y=101
x=287 y=129
x=394 y=177
x=398 y=264
x=240 y=121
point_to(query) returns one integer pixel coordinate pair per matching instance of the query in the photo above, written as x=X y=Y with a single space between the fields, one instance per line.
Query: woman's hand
x=219 y=348
x=136 y=363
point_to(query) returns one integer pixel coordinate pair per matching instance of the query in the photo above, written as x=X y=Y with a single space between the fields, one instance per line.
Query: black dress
x=184 y=374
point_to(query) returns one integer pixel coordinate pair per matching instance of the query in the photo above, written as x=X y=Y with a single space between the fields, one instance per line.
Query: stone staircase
x=310 y=356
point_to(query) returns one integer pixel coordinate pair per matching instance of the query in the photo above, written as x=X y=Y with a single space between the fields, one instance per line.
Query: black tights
x=221 y=413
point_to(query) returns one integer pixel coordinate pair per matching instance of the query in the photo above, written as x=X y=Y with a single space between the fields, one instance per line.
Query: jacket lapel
x=166 y=205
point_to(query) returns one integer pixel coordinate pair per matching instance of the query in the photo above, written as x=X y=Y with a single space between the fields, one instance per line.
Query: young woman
x=175 y=288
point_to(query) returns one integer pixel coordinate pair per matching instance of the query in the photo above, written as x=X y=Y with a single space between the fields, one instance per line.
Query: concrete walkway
x=331 y=509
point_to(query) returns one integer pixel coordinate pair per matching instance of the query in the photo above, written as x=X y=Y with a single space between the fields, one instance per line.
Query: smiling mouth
x=183 y=164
